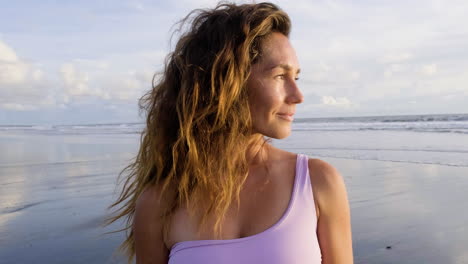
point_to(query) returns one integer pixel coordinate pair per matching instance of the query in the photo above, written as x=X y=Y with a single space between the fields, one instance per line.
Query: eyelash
x=283 y=75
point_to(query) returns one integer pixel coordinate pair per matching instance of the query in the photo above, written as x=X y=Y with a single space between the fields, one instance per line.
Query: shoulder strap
x=304 y=193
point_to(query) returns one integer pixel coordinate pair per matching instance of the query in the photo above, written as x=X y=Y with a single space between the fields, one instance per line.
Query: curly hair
x=198 y=122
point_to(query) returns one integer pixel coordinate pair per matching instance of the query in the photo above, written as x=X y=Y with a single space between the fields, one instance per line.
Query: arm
x=147 y=229
x=334 y=224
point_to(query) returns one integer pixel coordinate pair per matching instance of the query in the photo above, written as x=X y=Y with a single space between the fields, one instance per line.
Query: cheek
x=269 y=100
x=263 y=109
x=264 y=99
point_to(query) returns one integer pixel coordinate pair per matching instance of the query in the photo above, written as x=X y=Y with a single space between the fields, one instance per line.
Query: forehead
x=276 y=51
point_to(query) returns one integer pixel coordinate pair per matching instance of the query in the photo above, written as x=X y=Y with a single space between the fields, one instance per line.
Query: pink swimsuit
x=293 y=239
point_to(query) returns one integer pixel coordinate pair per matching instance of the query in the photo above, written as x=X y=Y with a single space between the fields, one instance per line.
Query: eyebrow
x=286 y=67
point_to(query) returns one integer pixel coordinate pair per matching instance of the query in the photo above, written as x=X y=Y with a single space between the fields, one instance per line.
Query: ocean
x=431 y=139
x=406 y=176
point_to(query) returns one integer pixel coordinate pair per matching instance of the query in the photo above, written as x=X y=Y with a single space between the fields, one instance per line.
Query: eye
x=297 y=78
x=280 y=76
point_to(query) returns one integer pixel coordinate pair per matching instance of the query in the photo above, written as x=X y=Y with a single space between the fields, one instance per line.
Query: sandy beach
x=55 y=187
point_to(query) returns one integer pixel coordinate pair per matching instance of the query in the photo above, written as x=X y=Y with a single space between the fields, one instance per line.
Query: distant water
x=446 y=123
x=428 y=139
x=87 y=129
x=453 y=123
x=431 y=139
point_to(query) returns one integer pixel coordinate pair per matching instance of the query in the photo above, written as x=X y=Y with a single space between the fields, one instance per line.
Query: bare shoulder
x=334 y=223
x=327 y=183
x=147 y=207
x=323 y=173
x=147 y=228
x=150 y=197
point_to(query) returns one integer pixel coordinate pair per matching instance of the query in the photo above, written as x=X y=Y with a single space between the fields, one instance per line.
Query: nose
x=294 y=94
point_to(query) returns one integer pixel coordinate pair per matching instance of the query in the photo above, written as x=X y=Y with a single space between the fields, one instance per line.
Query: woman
x=206 y=186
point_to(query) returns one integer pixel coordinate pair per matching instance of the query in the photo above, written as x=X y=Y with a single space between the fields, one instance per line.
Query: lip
x=286 y=116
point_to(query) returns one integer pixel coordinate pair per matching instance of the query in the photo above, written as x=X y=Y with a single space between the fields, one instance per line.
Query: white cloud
x=396 y=57
x=76 y=83
x=17 y=107
x=12 y=70
x=338 y=101
x=429 y=69
x=354 y=75
x=395 y=68
x=7 y=54
x=84 y=80
x=22 y=84
x=25 y=86
x=95 y=64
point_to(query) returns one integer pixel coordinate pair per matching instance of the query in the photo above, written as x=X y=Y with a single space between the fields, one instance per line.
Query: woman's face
x=272 y=87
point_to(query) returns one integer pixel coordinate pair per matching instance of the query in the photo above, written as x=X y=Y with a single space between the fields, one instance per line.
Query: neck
x=257 y=150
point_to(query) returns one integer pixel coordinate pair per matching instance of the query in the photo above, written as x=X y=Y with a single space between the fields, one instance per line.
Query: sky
x=88 y=62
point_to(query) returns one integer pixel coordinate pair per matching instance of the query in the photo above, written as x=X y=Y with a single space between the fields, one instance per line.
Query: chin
x=283 y=136
x=279 y=134
x=274 y=131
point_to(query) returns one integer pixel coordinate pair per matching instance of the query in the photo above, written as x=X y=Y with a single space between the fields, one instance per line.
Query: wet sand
x=407 y=213
x=54 y=190
x=54 y=200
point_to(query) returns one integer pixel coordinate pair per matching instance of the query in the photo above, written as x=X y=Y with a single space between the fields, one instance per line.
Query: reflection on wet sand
x=54 y=205
x=406 y=213
x=12 y=196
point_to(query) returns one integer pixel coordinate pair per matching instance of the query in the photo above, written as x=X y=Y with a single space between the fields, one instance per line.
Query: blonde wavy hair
x=198 y=123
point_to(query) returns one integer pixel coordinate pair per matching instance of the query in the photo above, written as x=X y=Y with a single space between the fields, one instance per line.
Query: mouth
x=286 y=116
